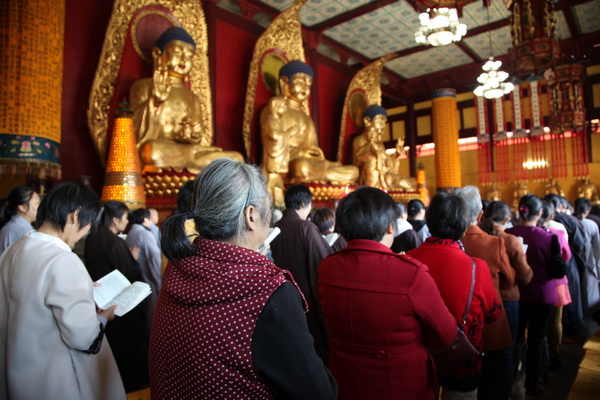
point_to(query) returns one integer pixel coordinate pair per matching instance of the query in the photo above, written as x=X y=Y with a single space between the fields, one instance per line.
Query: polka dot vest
x=200 y=344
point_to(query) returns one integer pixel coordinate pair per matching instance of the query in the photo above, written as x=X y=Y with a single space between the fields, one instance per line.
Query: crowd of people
x=350 y=303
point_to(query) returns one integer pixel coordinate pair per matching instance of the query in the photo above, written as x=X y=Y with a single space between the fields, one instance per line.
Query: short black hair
x=401 y=208
x=366 y=213
x=297 y=197
x=138 y=216
x=448 y=216
x=65 y=198
x=112 y=209
x=554 y=199
x=414 y=207
x=324 y=219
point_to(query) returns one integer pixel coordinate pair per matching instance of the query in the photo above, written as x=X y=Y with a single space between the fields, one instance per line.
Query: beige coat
x=47 y=317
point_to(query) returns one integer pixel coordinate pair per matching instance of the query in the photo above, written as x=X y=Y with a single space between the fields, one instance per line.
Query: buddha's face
x=298 y=88
x=379 y=123
x=178 y=58
x=376 y=125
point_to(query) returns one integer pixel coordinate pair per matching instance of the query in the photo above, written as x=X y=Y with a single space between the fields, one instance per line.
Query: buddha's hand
x=161 y=84
x=189 y=132
x=313 y=152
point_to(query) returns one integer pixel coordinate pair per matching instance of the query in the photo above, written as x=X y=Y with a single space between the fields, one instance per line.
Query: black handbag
x=461 y=348
x=557 y=267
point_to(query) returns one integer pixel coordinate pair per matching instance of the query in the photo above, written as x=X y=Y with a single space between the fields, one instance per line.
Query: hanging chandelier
x=440 y=27
x=491 y=81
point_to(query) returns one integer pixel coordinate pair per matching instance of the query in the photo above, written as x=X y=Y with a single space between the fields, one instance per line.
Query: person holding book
x=228 y=322
x=129 y=334
x=52 y=343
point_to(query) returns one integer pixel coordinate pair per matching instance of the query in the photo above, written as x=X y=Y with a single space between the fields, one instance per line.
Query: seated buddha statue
x=167 y=114
x=368 y=151
x=588 y=190
x=377 y=168
x=493 y=193
x=290 y=146
x=553 y=186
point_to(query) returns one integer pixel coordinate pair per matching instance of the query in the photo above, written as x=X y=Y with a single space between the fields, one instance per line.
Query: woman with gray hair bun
x=229 y=323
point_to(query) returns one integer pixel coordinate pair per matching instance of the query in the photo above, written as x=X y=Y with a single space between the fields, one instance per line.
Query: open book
x=115 y=289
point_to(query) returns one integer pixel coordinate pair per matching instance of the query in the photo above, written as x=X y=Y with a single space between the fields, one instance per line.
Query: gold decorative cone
x=123 y=180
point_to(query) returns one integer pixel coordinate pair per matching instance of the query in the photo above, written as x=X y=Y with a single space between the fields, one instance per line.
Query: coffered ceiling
x=360 y=31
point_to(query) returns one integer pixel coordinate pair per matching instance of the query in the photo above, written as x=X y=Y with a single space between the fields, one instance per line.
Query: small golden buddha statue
x=393 y=177
x=519 y=192
x=289 y=138
x=167 y=114
x=493 y=193
x=553 y=186
x=588 y=190
x=368 y=151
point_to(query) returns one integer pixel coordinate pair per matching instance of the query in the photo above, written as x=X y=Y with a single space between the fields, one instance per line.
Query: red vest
x=200 y=344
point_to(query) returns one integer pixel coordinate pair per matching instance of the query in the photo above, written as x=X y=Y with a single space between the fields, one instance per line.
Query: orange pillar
x=445 y=137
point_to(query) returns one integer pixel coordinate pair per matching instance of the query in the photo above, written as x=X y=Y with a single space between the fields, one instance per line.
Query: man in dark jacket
x=299 y=248
x=573 y=312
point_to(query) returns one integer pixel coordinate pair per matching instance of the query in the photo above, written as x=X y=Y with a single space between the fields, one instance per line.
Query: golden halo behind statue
x=358 y=104
x=271 y=63
x=146 y=27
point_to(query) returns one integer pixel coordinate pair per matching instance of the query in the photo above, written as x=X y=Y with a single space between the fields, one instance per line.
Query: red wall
x=332 y=83
x=85 y=24
x=231 y=44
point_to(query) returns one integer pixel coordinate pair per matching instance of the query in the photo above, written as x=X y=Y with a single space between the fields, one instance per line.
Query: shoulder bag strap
x=464 y=320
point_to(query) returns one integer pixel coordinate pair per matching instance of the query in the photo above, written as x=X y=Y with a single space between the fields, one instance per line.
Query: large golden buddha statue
x=167 y=114
x=290 y=146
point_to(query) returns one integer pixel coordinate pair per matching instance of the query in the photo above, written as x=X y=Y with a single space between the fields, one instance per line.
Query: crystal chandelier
x=491 y=81
x=440 y=27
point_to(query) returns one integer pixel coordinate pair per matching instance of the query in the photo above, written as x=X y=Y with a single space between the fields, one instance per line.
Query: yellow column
x=31 y=67
x=445 y=137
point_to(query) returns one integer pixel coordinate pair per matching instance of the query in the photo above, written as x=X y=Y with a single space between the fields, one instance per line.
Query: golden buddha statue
x=377 y=168
x=519 y=192
x=493 y=193
x=167 y=114
x=368 y=151
x=289 y=138
x=393 y=177
x=553 y=186
x=588 y=190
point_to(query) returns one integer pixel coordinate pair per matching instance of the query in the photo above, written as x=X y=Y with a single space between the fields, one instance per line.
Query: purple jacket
x=541 y=288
